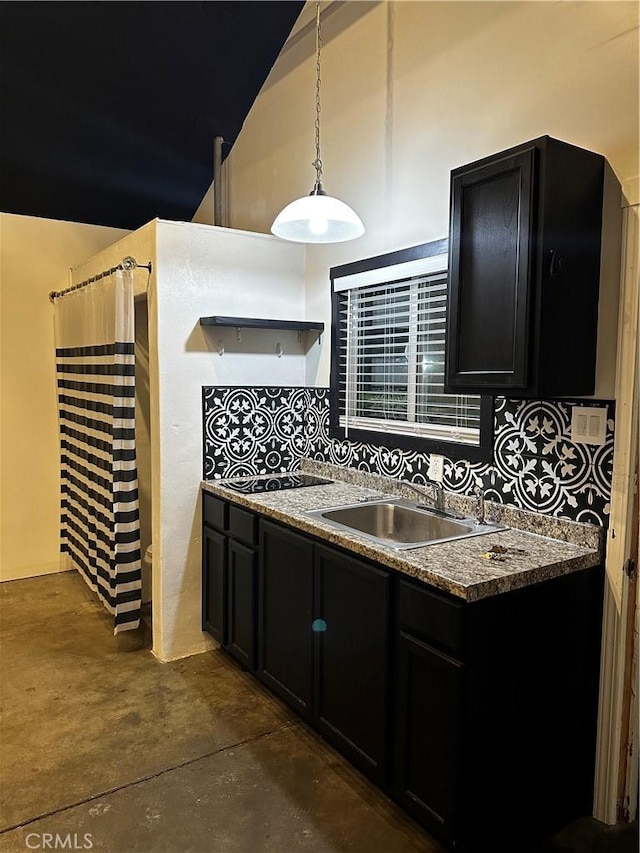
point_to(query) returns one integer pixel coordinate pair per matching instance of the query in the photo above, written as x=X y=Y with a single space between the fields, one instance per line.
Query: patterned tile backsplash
x=536 y=465
x=253 y=430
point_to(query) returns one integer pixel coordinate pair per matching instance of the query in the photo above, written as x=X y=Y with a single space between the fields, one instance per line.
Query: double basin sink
x=400 y=524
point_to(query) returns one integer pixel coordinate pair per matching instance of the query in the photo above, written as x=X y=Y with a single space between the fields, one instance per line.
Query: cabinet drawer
x=214 y=512
x=431 y=617
x=243 y=525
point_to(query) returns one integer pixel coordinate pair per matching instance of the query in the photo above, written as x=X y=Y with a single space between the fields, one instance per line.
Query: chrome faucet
x=479 y=493
x=414 y=489
x=438 y=498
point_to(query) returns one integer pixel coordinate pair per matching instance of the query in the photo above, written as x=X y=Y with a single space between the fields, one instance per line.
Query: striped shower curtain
x=100 y=525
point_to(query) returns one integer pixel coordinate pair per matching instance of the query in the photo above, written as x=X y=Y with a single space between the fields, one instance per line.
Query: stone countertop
x=457 y=567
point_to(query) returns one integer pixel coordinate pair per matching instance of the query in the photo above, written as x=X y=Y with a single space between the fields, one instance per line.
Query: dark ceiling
x=109 y=109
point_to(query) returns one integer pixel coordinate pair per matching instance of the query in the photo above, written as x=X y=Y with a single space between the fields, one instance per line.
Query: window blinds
x=391 y=360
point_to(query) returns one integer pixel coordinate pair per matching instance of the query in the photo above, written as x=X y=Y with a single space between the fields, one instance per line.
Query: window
x=387 y=375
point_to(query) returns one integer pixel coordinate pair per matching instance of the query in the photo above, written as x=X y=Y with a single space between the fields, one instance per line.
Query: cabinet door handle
x=555 y=264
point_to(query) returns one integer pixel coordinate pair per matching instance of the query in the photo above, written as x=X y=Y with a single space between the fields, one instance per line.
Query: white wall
x=411 y=90
x=35 y=257
x=204 y=271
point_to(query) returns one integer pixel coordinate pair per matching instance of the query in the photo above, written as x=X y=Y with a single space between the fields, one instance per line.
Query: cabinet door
x=352 y=661
x=285 y=615
x=491 y=250
x=428 y=734
x=214 y=584
x=241 y=603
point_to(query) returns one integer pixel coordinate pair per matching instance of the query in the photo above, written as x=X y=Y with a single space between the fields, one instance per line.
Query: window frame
x=482 y=452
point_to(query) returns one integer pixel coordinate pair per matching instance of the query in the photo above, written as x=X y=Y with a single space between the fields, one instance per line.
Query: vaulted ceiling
x=108 y=110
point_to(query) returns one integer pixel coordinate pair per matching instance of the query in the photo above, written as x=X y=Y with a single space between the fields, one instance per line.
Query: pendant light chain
x=317 y=217
x=317 y=164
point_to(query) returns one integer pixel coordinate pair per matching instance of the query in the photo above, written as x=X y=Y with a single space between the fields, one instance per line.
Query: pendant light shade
x=317 y=217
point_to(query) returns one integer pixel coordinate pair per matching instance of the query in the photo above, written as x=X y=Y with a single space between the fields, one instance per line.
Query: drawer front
x=431 y=617
x=214 y=512
x=243 y=525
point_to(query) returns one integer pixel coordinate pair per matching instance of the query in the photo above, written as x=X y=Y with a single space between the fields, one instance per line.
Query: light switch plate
x=589 y=425
x=436 y=468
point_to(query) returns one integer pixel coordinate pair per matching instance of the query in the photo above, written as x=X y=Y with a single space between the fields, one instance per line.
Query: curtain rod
x=127 y=263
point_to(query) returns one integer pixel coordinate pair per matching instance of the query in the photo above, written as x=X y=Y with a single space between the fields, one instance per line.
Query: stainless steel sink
x=400 y=524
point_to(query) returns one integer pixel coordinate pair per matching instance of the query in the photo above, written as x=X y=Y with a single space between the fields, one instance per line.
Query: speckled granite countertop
x=457 y=567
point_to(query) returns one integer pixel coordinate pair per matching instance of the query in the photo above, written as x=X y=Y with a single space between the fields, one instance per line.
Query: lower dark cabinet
x=241 y=640
x=214 y=584
x=284 y=621
x=429 y=696
x=479 y=717
x=352 y=660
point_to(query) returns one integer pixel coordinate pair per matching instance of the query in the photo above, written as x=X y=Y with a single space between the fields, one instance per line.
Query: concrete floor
x=187 y=757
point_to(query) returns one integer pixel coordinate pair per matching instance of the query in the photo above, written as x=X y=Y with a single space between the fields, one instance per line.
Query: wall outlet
x=436 y=468
x=588 y=425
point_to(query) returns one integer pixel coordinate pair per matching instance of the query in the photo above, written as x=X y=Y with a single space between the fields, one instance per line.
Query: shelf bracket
x=220 y=347
x=279 y=349
x=238 y=335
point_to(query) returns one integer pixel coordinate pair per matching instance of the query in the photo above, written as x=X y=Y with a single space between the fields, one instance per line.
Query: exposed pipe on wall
x=217 y=180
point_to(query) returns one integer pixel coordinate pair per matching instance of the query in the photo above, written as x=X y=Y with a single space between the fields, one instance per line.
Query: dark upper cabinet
x=352 y=661
x=524 y=268
x=285 y=659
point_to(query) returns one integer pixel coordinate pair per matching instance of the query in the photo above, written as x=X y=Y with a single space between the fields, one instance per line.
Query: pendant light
x=317 y=217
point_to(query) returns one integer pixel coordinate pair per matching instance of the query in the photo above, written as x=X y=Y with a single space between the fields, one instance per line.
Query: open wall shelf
x=256 y=323
x=239 y=323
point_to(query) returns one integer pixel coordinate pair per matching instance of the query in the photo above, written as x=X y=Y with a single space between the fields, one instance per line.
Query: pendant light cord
x=317 y=164
x=317 y=217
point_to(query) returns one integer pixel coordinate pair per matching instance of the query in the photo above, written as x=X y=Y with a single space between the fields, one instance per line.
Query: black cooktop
x=275 y=484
